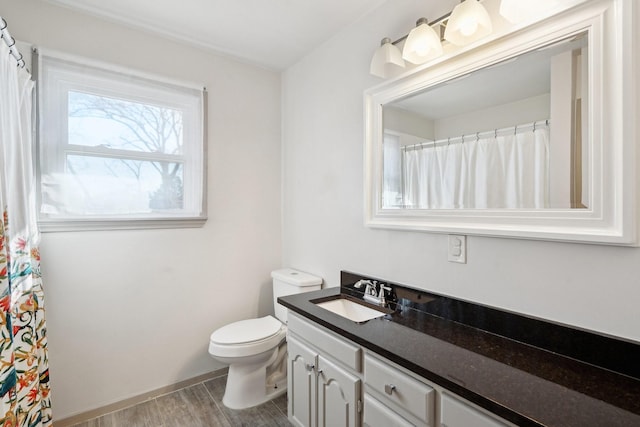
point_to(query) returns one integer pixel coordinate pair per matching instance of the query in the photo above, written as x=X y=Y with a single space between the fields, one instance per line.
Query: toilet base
x=251 y=384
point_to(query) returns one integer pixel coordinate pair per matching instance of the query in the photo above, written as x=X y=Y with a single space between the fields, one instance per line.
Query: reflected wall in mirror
x=509 y=136
x=530 y=133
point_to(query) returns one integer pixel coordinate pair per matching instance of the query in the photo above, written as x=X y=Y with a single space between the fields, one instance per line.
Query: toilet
x=256 y=350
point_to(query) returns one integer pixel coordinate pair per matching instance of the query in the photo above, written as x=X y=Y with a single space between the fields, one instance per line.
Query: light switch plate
x=458 y=248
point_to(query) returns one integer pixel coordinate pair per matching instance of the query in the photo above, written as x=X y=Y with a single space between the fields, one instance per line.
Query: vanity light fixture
x=469 y=21
x=386 y=59
x=516 y=11
x=422 y=43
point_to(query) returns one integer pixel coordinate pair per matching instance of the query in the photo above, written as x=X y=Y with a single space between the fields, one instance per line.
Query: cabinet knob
x=309 y=367
x=388 y=388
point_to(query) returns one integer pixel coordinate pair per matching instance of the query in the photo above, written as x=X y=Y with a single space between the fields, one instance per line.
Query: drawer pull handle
x=388 y=388
x=309 y=367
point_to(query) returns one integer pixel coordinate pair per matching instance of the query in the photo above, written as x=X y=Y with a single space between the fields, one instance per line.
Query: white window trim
x=198 y=171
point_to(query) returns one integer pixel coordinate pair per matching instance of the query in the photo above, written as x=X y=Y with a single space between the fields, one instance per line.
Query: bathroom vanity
x=430 y=360
x=330 y=386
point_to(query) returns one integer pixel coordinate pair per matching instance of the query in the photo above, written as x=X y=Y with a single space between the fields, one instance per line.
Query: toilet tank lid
x=295 y=277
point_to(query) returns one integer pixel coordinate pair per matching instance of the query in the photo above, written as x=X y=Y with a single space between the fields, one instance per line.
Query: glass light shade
x=422 y=44
x=386 y=59
x=468 y=22
x=516 y=11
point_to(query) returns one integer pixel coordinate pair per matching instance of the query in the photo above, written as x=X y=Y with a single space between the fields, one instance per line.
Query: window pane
x=117 y=144
x=108 y=186
x=124 y=125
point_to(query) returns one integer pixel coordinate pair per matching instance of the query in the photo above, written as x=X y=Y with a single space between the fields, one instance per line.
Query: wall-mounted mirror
x=516 y=138
x=508 y=136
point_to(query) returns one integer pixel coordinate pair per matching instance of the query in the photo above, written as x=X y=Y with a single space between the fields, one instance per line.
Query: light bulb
x=422 y=49
x=516 y=11
x=468 y=27
x=422 y=43
x=469 y=21
x=386 y=60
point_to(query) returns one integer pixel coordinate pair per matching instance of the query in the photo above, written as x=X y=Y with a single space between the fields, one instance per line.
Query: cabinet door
x=456 y=413
x=339 y=403
x=301 y=383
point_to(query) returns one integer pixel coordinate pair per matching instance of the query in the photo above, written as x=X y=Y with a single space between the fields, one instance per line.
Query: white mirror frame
x=613 y=93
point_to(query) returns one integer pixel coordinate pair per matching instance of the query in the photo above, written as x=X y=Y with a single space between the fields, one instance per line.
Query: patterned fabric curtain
x=24 y=372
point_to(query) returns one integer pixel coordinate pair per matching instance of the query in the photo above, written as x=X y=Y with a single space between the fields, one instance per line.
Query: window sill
x=69 y=225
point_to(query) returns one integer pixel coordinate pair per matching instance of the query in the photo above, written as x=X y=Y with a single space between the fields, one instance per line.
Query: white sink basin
x=350 y=310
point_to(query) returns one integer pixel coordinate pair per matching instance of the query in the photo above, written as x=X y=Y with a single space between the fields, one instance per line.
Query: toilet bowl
x=255 y=349
x=251 y=348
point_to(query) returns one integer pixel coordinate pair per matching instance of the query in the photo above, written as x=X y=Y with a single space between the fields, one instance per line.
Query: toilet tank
x=288 y=281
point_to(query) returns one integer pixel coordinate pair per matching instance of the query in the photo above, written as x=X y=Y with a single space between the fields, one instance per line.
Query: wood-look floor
x=197 y=406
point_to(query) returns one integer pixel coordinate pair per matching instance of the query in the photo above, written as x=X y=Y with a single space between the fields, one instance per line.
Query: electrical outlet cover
x=457 y=248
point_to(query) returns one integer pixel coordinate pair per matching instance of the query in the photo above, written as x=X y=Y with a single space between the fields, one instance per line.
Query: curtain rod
x=11 y=43
x=458 y=139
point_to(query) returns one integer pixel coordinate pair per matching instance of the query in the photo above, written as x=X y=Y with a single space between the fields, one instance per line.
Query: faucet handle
x=359 y=283
x=382 y=289
x=381 y=295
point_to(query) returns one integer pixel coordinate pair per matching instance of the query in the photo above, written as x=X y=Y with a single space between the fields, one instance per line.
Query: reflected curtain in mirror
x=508 y=169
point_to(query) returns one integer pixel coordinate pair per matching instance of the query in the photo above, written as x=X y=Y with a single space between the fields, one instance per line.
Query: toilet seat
x=247 y=337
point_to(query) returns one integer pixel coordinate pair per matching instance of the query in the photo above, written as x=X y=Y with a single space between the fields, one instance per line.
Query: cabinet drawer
x=376 y=414
x=339 y=349
x=456 y=413
x=399 y=388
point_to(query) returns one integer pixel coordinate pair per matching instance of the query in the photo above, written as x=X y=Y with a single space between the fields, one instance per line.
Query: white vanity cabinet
x=324 y=377
x=326 y=374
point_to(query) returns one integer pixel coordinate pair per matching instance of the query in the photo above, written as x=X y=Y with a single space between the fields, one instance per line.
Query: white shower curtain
x=506 y=170
x=25 y=399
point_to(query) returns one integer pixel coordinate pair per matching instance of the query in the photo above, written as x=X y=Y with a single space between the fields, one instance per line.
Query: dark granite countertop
x=526 y=384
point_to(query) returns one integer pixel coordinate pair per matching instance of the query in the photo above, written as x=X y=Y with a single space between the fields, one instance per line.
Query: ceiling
x=271 y=33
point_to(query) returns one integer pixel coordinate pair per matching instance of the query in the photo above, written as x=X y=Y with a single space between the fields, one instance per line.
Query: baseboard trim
x=126 y=403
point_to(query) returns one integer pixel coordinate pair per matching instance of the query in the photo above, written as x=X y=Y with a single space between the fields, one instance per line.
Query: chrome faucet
x=371 y=293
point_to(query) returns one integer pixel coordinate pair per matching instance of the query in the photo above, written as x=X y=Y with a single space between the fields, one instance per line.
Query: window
x=117 y=149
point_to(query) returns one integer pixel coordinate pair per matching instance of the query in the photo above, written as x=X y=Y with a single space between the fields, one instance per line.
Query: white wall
x=588 y=286
x=520 y=112
x=132 y=311
x=408 y=123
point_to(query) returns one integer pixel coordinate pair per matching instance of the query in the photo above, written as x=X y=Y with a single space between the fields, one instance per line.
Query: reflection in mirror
x=510 y=136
